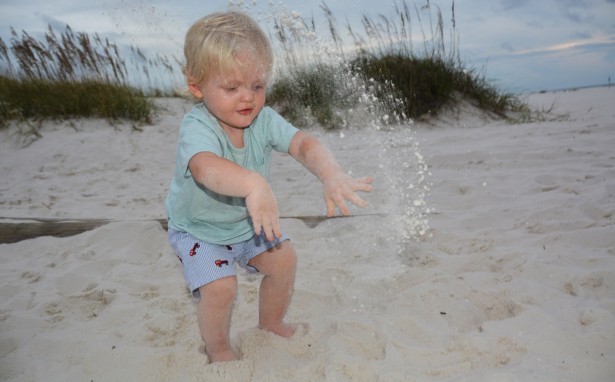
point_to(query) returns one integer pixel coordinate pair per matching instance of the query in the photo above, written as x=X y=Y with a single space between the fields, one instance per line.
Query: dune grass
x=43 y=99
x=378 y=76
x=67 y=75
x=428 y=84
x=404 y=81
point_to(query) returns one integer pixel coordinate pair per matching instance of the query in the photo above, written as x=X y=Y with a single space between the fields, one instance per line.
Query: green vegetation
x=67 y=75
x=427 y=84
x=379 y=77
x=32 y=98
x=309 y=89
x=405 y=84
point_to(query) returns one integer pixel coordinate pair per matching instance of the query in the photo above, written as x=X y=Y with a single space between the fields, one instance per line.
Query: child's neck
x=235 y=135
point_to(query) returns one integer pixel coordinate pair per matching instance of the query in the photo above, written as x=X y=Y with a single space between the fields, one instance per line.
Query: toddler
x=220 y=207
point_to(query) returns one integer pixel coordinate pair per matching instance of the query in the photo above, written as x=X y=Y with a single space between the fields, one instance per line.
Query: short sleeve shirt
x=212 y=217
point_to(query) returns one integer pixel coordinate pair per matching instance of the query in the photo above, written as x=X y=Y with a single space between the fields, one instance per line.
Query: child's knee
x=285 y=260
x=291 y=257
x=221 y=291
x=281 y=259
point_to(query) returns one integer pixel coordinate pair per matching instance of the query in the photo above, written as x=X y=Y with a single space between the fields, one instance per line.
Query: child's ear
x=195 y=90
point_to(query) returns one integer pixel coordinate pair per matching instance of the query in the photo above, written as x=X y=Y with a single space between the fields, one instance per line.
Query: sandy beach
x=486 y=253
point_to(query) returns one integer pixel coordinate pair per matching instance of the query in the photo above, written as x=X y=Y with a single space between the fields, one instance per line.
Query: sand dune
x=513 y=278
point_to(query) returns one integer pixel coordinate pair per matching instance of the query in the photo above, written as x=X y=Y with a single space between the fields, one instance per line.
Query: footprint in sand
x=148 y=292
x=595 y=316
x=83 y=307
x=32 y=277
x=473 y=310
x=163 y=332
x=497 y=306
x=359 y=340
x=464 y=354
x=589 y=285
x=415 y=256
x=547 y=183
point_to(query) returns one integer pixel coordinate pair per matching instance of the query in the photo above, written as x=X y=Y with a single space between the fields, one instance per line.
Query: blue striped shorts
x=205 y=262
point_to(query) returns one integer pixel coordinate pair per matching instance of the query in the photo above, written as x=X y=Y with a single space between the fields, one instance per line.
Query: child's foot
x=285 y=330
x=225 y=356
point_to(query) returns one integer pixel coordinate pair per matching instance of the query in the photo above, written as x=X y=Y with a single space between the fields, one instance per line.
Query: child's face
x=235 y=99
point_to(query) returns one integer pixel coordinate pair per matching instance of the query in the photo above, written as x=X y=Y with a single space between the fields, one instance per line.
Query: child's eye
x=231 y=89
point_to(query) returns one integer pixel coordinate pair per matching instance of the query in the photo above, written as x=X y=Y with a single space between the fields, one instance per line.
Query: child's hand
x=263 y=209
x=338 y=187
x=342 y=187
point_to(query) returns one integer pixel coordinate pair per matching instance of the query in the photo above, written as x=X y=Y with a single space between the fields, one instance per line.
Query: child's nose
x=247 y=94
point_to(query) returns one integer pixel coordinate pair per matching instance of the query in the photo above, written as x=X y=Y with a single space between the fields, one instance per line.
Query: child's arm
x=227 y=178
x=338 y=186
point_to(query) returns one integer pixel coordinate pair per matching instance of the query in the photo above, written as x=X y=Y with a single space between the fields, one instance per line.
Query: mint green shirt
x=208 y=216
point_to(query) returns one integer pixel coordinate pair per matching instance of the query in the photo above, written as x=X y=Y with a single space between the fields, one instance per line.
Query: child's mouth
x=245 y=111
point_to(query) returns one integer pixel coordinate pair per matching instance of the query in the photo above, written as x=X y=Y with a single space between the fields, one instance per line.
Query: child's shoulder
x=199 y=114
x=271 y=117
x=198 y=110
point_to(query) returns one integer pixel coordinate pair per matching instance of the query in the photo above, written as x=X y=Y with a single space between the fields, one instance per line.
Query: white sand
x=514 y=281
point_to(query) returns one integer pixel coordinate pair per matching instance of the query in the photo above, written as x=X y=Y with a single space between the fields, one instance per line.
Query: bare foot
x=285 y=330
x=225 y=356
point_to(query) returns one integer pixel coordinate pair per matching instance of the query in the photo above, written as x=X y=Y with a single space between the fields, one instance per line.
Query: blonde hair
x=213 y=43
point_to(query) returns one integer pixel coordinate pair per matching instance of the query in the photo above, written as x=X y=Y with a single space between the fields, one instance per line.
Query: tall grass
x=314 y=88
x=66 y=75
x=314 y=81
x=406 y=81
x=336 y=78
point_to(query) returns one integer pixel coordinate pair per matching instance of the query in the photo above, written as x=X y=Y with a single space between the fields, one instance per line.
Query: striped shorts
x=205 y=262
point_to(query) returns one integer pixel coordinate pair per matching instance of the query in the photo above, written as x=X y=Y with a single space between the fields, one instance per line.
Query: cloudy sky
x=522 y=45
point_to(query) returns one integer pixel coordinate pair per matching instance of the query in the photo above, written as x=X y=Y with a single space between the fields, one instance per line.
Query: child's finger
x=362 y=187
x=269 y=234
x=356 y=200
x=276 y=230
x=367 y=179
x=363 y=184
x=330 y=207
x=267 y=230
x=270 y=227
x=341 y=204
x=256 y=223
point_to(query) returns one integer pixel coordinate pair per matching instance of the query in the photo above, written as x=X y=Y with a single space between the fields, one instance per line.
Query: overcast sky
x=523 y=45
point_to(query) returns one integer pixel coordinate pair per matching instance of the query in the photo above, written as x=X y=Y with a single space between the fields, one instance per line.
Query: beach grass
x=428 y=84
x=44 y=99
x=321 y=77
x=64 y=75
x=400 y=78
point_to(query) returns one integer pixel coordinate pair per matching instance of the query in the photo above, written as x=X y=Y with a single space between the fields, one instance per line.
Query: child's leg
x=279 y=265
x=214 y=317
